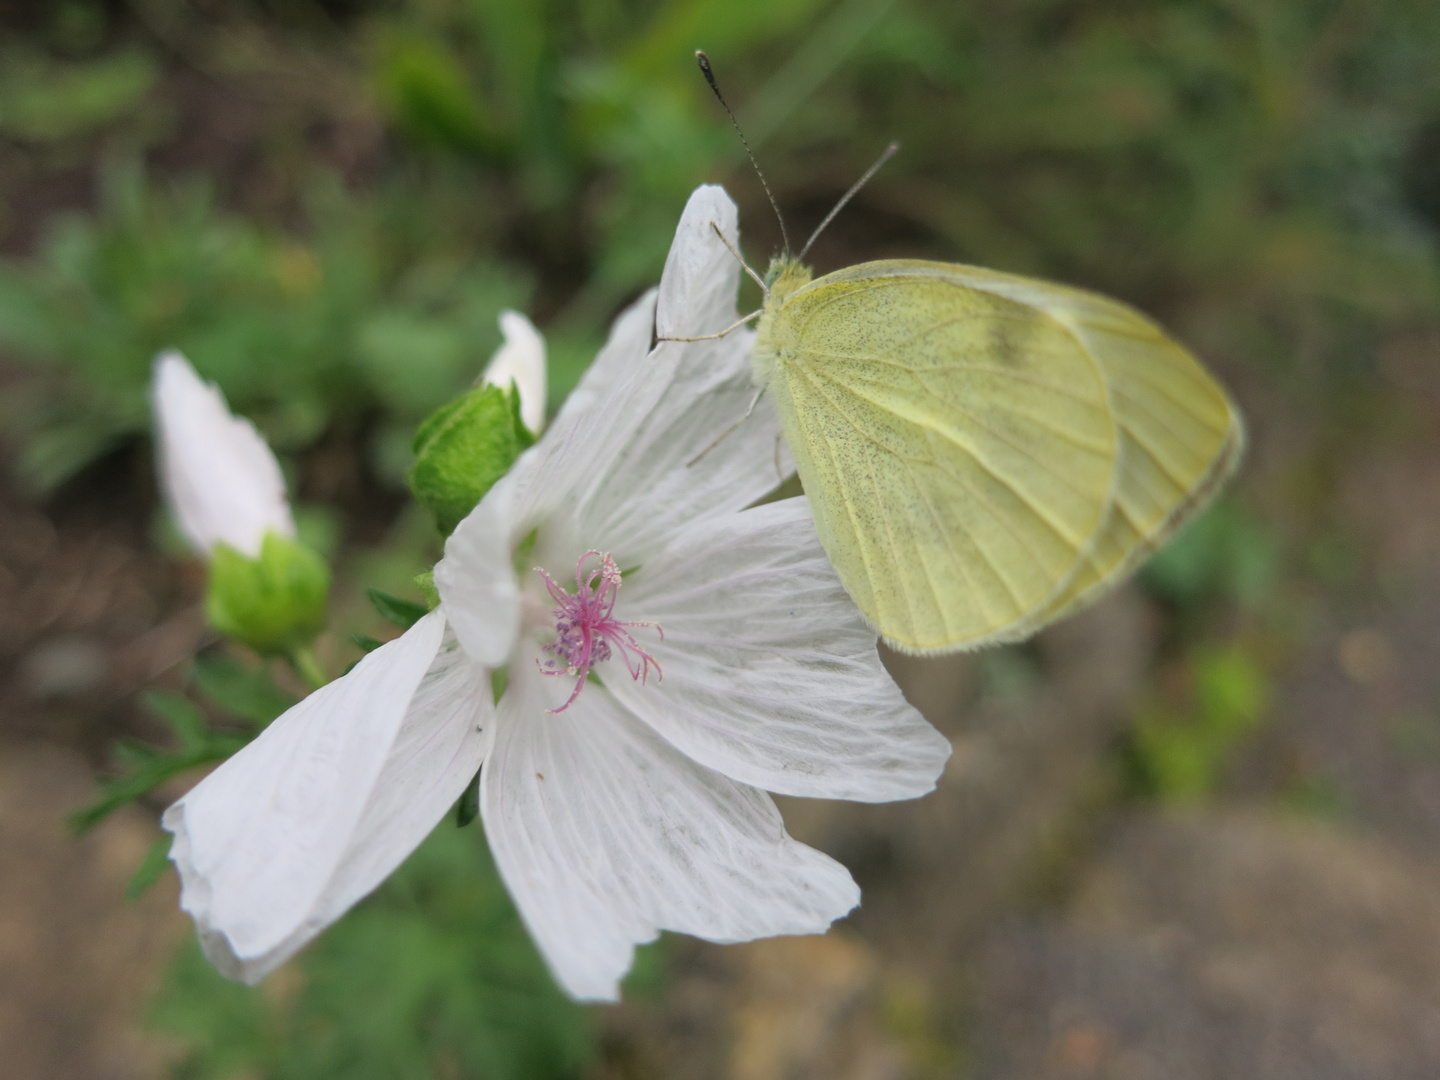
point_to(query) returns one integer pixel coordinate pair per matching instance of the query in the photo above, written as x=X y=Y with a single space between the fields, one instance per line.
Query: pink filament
x=587 y=630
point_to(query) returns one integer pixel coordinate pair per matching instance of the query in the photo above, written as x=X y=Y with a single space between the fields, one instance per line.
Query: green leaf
x=401 y=613
x=150 y=774
x=430 y=97
x=366 y=642
x=248 y=693
x=152 y=867
x=182 y=714
x=275 y=604
x=467 y=809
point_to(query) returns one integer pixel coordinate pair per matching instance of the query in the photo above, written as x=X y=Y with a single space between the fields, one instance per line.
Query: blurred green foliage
x=301 y=335
x=1240 y=167
x=1182 y=741
x=1225 y=556
x=433 y=975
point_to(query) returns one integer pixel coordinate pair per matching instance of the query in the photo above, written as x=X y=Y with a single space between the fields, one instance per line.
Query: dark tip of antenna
x=704 y=62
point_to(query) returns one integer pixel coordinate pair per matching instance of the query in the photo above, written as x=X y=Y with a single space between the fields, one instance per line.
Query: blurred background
x=1192 y=833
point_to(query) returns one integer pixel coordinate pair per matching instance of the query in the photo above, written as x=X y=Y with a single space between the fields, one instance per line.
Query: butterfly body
x=984 y=453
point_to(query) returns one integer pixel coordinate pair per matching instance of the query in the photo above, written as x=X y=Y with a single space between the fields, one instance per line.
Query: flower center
x=586 y=630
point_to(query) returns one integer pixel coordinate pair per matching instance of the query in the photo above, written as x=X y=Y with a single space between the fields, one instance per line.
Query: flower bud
x=218 y=475
x=521 y=360
x=274 y=603
x=463 y=448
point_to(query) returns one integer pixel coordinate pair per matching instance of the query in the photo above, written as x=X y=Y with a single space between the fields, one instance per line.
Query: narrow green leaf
x=249 y=693
x=182 y=714
x=468 y=808
x=151 y=868
x=402 y=613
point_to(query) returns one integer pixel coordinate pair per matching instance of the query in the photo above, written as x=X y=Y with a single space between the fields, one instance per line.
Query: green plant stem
x=304 y=661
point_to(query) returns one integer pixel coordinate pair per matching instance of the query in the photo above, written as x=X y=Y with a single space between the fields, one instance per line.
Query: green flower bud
x=463 y=448
x=275 y=604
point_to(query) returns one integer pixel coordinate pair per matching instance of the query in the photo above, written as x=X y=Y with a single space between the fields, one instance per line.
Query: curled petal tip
x=521 y=360
x=217 y=473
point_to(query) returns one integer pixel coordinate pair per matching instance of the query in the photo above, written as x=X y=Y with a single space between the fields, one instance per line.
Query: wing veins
x=980 y=461
x=979 y=499
x=985 y=369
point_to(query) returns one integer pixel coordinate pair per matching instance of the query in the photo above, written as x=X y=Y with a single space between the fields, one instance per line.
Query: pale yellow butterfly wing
x=957 y=448
x=1180 y=436
x=871 y=330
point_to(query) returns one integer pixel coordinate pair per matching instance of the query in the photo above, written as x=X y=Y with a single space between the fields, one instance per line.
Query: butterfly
x=983 y=453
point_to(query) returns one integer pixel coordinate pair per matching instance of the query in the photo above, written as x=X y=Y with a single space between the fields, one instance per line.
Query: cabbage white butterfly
x=983 y=453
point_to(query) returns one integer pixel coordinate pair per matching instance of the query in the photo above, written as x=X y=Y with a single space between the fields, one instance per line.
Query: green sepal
x=468 y=808
x=275 y=604
x=463 y=448
x=366 y=642
x=426 y=584
x=397 y=612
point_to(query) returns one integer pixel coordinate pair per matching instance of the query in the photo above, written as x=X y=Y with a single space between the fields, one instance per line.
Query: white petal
x=624 y=350
x=476 y=579
x=771 y=675
x=647 y=444
x=701 y=277
x=644 y=450
x=521 y=360
x=605 y=835
x=285 y=836
x=219 y=475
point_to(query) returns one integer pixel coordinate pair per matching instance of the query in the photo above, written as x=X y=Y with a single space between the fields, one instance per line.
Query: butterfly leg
x=711 y=337
x=740 y=259
x=753 y=402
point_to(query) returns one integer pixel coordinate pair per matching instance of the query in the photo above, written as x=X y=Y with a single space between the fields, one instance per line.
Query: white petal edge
x=476 y=579
x=521 y=360
x=605 y=835
x=701 y=276
x=625 y=349
x=654 y=438
x=771 y=675
x=291 y=831
x=220 y=477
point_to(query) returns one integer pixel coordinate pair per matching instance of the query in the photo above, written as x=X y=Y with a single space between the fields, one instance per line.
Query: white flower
x=219 y=476
x=732 y=661
x=521 y=360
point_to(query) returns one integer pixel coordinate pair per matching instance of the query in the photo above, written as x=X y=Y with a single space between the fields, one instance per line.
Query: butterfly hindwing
x=986 y=453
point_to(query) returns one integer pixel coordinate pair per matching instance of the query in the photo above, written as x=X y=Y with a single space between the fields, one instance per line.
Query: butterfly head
x=786 y=274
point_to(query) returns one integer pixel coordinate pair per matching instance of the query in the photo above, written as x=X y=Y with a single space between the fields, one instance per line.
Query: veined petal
x=220 y=477
x=701 y=276
x=625 y=349
x=521 y=360
x=476 y=579
x=285 y=836
x=646 y=444
x=771 y=675
x=605 y=835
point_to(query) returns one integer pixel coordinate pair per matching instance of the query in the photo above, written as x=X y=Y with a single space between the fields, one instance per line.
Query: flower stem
x=307 y=665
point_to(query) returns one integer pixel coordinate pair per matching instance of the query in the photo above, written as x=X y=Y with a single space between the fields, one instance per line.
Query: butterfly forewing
x=986 y=453
x=957 y=447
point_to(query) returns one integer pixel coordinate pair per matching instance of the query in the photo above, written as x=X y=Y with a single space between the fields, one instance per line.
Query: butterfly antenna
x=704 y=62
x=890 y=151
